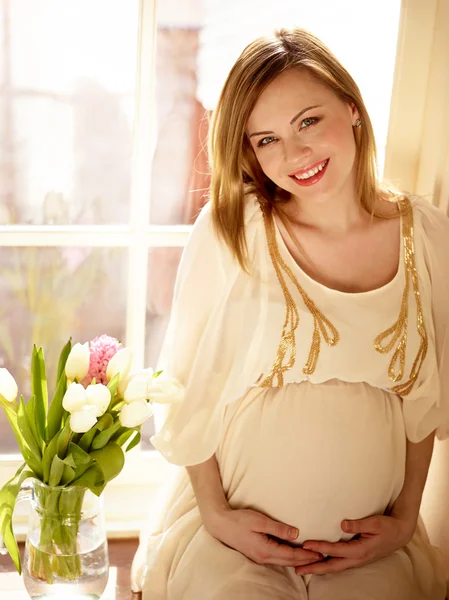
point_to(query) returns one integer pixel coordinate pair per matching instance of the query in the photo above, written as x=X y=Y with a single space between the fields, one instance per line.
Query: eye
x=308 y=122
x=265 y=141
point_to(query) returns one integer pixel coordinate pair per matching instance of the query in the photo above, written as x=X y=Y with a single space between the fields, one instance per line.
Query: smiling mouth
x=307 y=174
x=312 y=175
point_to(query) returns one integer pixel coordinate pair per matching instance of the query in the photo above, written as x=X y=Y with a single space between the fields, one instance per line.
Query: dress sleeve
x=427 y=407
x=199 y=284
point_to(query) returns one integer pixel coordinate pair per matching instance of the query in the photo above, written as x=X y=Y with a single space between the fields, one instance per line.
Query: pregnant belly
x=313 y=455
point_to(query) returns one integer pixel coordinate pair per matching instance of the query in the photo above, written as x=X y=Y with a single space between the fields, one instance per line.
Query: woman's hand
x=377 y=537
x=253 y=534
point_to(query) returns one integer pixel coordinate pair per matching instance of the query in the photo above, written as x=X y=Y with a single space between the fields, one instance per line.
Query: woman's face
x=302 y=136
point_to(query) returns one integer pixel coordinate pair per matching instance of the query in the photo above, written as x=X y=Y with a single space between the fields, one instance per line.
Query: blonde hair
x=234 y=167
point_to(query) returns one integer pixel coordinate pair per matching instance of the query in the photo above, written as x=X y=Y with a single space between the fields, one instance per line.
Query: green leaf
x=11 y=414
x=133 y=443
x=86 y=439
x=8 y=497
x=56 y=471
x=103 y=438
x=157 y=374
x=93 y=478
x=80 y=457
x=111 y=460
x=56 y=411
x=49 y=453
x=70 y=461
x=30 y=408
x=39 y=389
x=64 y=439
x=122 y=435
x=68 y=475
x=62 y=360
x=104 y=422
x=112 y=385
x=26 y=430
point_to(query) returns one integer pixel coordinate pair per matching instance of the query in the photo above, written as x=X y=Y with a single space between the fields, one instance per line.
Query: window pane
x=52 y=294
x=67 y=88
x=163 y=265
x=179 y=164
x=198 y=42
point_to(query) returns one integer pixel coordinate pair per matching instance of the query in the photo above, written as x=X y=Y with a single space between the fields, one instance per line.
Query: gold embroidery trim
x=397 y=333
x=322 y=327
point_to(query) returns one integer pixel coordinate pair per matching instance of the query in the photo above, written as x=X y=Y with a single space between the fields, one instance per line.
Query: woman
x=308 y=329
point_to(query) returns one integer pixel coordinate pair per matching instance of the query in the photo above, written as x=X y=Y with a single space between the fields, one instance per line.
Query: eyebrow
x=295 y=118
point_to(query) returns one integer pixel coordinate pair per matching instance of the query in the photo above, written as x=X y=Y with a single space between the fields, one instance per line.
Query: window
x=104 y=167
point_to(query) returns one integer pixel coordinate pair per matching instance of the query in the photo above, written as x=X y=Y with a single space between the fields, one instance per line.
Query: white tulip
x=123 y=384
x=136 y=413
x=83 y=419
x=8 y=386
x=119 y=363
x=77 y=365
x=165 y=391
x=99 y=396
x=137 y=389
x=74 y=398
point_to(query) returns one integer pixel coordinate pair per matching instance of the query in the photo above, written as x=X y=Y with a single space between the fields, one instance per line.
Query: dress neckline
x=383 y=288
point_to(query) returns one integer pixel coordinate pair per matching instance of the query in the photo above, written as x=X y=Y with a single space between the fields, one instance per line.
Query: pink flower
x=101 y=349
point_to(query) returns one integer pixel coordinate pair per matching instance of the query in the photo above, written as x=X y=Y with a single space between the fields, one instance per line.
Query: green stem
x=57 y=554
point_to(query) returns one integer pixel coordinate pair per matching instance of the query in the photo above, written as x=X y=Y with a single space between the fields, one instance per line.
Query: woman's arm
x=408 y=503
x=206 y=483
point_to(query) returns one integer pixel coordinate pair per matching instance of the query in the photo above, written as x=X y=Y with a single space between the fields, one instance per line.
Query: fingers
x=368 y=525
x=271 y=552
x=279 y=530
x=352 y=549
x=288 y=563
x=333 y=565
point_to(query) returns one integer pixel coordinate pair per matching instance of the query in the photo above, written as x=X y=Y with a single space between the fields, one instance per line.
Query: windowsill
x=121 y=553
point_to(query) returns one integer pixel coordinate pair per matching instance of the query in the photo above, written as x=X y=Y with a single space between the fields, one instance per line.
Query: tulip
x=83 y=419
x=136 y=413
x=119 y=363
x=74 y=398
x=98 y=396
x=123 y=384
x=8 y=386
x=77 y=365
x=137 y=389
x=166 y=391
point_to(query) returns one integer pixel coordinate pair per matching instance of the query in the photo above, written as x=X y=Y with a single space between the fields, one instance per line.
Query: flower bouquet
x=75 y=442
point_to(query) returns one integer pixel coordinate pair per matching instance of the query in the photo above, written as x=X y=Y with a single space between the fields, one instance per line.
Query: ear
x=353 y=112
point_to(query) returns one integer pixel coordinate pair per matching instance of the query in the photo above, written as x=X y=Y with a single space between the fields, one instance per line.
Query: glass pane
x=198 y=42
x=163 y=265
x=67 y=87
x=52 y=294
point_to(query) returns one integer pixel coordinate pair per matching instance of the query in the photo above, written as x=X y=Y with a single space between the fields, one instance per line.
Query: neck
x=339 y=214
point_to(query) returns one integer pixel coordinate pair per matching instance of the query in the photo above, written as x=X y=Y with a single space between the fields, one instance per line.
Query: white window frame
x=145 y=472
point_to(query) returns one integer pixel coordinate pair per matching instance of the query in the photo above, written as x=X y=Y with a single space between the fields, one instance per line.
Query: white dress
x=307 y=425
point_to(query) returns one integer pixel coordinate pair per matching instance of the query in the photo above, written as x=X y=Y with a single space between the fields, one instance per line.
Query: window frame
x=144 y=471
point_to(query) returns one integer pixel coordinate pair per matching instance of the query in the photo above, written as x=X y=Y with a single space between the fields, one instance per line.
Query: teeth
x=312 y=172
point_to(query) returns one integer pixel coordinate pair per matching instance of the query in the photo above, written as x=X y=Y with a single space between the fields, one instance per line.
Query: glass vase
x=66 y=552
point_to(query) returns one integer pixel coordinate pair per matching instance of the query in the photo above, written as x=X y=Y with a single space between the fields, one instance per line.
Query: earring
x=358 y=123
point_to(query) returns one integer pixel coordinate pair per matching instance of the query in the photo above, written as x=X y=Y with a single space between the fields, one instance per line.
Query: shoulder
x=204 y=224
x=433 y=222
x=431 y=237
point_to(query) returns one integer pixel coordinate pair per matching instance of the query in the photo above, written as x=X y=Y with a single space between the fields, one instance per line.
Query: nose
x=296 y=153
